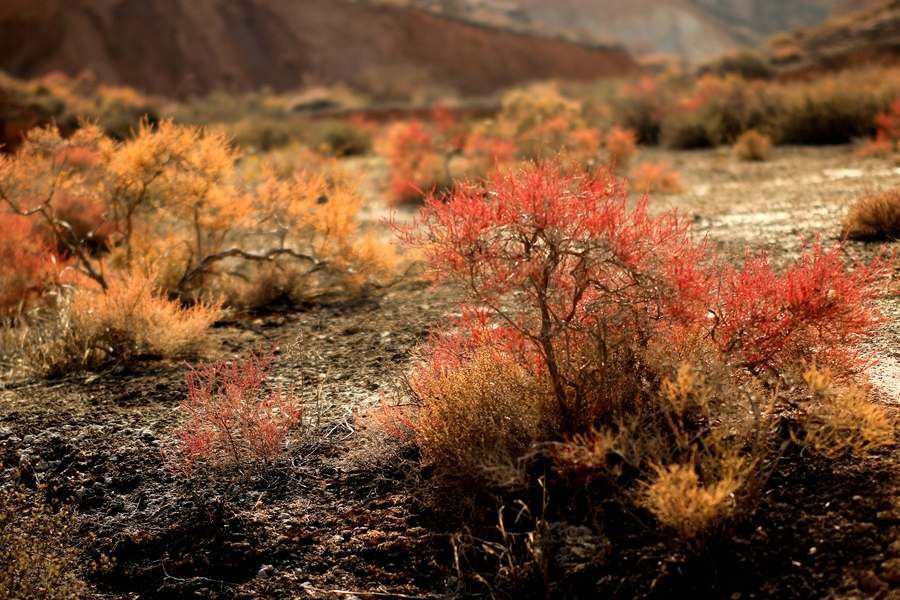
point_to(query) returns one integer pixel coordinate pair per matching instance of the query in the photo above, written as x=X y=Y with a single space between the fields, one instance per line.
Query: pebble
x=870 y=583
x=28 y=439
x=887 y=515
x=890 y=570
x=265 y=572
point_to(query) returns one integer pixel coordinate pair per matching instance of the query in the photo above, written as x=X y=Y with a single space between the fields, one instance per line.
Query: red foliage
x=576 y=259
x=230 y=423
x=562 y=277
x=889 y=123
x=815 y=311
x=28 y=265
x=86 y=217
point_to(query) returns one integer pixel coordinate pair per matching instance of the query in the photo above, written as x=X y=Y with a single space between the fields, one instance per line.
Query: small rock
x=894 y=548
x=41 y=466
x=28 y=439
x=887 y=515
x=870 y=583
x=890 y=570
x=265 y=572
x=5 y=432
x=862 y=528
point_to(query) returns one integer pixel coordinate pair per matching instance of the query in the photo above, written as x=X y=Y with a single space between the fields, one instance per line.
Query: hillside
x=865 y=37
x=187 y=47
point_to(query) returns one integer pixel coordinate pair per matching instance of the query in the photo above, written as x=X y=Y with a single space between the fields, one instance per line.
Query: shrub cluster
x=622 y=351
x=162 y=216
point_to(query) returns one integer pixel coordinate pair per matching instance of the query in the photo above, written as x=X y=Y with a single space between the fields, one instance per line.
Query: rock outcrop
x=186 y=47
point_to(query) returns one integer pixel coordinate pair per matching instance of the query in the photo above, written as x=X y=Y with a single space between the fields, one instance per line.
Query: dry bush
x=842 y=421
x=642 y=106
x=130 y=320
x=748 y=64
x=655 y=177
x=542 y=123
x=621 y=145
x=36 y=559
x=874 y=216
x=689 y=507
x=752 y=145
x=476 y=422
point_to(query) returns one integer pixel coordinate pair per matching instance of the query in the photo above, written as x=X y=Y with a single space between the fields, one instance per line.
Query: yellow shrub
x=476 y=422
x=752 y=145
x=843 y=421
x=130 y=320
x=874 y=216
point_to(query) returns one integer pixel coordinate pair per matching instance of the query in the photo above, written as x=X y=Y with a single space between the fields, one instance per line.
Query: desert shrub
x=338 y=138
x=29 y=266
x=418 y=164
x=842 y=421
x=641 y=107
x=621 y=145
x=128 y=321
x=655 y=177
x=542 y=123
x=481 y=418
x=752 y=145
x=619 y=348
x=828 y=113
x=887 y=134
x=747 y=63
x=689 y=130
x=169 y=201
x=874 y=216
x=231 y=421
x=814 y=311
x=36 y=557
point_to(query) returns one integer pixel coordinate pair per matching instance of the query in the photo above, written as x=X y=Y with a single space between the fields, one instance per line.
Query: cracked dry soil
x=344 y=515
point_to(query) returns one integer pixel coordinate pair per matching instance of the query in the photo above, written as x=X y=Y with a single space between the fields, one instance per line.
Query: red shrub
x=28 y=265
x=815 y=312
x=577 y=260
x=230 y=422
x=563 y=279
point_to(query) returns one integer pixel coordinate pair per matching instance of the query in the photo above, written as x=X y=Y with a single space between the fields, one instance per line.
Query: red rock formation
x=184 y=47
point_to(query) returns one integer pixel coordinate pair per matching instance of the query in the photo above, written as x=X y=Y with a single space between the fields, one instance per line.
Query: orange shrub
x=752 y=145
x=655 y=177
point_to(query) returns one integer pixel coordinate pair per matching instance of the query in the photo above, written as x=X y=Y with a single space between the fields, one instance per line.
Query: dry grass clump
x=130 y=320
x=478 y=421
x=655 y=177
x=843 y=421
x=752 y=145
x=685 y=505
x=35 y=559
x=875 y=216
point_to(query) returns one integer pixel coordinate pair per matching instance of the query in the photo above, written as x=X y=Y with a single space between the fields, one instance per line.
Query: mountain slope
x=184 y=47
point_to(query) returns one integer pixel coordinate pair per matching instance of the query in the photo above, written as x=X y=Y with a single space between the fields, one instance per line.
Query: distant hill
x=868 y=36
x=694 y=29
x=185 y=47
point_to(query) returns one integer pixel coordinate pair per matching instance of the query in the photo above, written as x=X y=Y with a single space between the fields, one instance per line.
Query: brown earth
x=348 y=514
x=188 y=47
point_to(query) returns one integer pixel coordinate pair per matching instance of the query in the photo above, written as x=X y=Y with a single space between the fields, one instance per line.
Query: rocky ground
x=346 y=514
